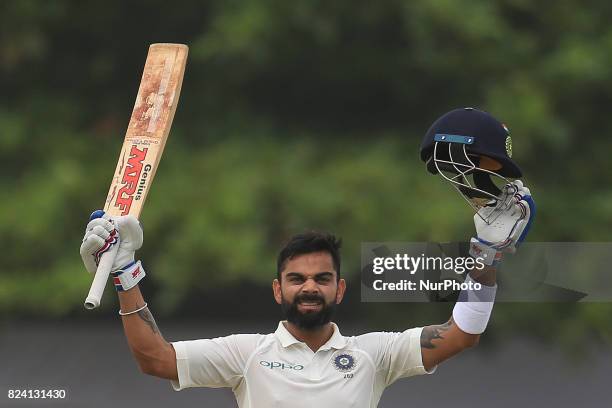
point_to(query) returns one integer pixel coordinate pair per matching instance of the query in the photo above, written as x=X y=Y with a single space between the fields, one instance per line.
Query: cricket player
x=307 y=362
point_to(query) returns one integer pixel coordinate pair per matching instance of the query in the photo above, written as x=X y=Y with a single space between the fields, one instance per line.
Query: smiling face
x=309 y=290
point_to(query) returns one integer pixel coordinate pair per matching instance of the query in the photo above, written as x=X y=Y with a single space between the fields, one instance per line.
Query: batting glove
x=103 y=232
x=506 y=225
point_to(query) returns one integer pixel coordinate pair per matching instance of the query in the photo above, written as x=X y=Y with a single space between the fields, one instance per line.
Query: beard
x=310 y=320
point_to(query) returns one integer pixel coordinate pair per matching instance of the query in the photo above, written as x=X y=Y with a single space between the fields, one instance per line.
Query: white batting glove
x=509 y=223
x=104 y=231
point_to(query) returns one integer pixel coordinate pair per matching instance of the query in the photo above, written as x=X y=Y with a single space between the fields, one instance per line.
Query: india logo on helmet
x=509 y=146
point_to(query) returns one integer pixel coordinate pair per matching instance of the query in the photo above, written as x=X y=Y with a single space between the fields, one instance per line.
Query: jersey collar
x=336 y=341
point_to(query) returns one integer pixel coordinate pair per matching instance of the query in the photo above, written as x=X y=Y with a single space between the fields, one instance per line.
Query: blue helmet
x=468 y=147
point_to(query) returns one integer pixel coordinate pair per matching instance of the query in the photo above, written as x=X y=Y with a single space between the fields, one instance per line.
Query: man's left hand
x=509 y=222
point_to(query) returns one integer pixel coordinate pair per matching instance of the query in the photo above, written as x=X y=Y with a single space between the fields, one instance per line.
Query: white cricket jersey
x=277 y=370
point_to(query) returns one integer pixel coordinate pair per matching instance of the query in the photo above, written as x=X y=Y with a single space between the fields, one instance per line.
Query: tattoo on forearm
x=146 y=315
x=431 y=333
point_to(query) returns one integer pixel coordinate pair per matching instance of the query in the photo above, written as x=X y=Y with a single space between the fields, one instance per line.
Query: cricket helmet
x=472 y=150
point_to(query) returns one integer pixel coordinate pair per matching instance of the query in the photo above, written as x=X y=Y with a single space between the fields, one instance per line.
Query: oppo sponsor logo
x=281 y=366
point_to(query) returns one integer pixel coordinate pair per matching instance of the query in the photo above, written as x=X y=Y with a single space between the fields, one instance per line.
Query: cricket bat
x=143 y=145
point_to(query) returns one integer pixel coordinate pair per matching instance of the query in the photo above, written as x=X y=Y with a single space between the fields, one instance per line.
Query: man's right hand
x=104 y=231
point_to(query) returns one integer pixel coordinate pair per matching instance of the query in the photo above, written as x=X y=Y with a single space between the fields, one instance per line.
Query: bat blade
x=144 y=143
x=148 y=129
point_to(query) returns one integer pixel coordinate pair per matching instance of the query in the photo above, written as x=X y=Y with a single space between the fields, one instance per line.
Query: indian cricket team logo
x=344 y=362
x=508 y=140
x=509 y=146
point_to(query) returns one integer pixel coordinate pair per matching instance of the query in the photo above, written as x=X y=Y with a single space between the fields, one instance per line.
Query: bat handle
x=99 y=282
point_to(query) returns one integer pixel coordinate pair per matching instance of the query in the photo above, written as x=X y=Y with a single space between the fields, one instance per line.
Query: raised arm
x=512 y=219
x=155 y=356
x=441 y=342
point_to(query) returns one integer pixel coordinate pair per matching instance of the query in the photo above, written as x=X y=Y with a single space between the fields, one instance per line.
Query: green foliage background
x=294 y=115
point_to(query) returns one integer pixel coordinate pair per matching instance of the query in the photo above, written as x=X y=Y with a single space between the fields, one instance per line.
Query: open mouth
x=310 y=305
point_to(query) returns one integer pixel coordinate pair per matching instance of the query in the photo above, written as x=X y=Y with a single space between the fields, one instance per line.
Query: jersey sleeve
x=395 y=354
x=218 y=362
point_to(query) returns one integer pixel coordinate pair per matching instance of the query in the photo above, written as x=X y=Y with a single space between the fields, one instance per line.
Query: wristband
x=128 y=276
x=473 y=308
x=489 y=255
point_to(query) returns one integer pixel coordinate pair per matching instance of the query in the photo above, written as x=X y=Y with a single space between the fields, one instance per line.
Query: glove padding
x=104 y=232
x=511 y=219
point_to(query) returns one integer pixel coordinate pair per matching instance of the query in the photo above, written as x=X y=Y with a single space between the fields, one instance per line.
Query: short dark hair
x=307 y=243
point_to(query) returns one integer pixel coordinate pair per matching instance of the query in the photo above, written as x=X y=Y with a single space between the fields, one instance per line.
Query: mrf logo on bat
x=133 y=179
